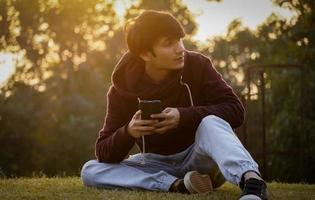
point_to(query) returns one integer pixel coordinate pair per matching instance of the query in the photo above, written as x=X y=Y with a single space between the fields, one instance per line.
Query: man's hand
x=137 y=127
x=171 y=118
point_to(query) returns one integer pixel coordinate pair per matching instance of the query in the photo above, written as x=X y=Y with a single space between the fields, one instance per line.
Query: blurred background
x=56 y=59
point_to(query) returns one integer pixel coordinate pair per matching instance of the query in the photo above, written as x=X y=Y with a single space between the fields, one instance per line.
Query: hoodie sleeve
x=113 y=143
x=218 y=99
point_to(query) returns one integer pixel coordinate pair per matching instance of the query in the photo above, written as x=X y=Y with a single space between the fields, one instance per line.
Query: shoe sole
x=197 y=183
x=250 y=197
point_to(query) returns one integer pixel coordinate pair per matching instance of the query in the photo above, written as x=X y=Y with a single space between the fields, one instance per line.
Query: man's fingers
x=137 y=115
x=167 y=110
x=145 y=122
x=144 y=128
x=163 y=129
x=161 y=116
x=163 y=123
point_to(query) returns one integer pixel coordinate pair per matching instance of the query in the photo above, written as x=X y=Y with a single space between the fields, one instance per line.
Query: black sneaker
x=254 y=189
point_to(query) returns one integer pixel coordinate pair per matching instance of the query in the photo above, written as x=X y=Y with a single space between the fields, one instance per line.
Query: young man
x=189 y=139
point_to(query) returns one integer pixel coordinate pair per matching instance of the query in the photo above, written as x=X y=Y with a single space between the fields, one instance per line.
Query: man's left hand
x=171 y=118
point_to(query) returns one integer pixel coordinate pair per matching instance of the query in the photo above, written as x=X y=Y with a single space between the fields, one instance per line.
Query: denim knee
x=87 y=174
x=205 y=130
x=213 y=120
x=209 y=131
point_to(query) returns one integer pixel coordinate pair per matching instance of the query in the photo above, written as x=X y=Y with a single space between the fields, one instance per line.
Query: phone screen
x=149 y=107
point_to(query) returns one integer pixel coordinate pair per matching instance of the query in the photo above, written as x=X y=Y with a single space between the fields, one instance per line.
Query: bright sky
x=6 y=69
x=211 y=17
x=215 y=17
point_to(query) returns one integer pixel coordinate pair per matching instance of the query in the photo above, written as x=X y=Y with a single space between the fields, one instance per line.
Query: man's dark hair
x=142 y=32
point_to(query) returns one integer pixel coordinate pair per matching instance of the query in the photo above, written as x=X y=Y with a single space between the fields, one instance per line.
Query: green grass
x=72 y=188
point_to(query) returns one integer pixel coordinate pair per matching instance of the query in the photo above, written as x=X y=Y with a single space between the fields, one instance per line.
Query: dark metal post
x=262 y=88
x=303 y=141
x=247 y=106
x=303 y=146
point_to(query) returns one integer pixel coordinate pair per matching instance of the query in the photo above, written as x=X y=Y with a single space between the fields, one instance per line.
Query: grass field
x=72 y=188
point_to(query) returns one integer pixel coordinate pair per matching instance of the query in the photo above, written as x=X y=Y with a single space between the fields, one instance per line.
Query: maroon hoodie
x=197 y=90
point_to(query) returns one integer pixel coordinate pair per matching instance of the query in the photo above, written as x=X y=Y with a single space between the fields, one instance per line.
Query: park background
x=53 y=101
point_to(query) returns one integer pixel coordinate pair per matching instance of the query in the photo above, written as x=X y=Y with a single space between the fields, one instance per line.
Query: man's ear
x=146 y=56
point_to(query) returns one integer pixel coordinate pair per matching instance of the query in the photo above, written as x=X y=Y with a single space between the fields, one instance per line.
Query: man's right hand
x=137 y=127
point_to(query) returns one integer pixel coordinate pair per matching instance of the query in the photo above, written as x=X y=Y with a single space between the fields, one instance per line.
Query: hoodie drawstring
x=143 y=144
x=188 y=89
x=143 y=151
x=191 y=104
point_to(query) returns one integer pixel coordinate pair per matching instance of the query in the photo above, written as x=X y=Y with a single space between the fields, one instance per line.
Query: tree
x=53 y=106
x=281 y=42
x=68 y=51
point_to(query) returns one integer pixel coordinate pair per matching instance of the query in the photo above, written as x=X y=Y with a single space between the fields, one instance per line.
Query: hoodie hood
x=130 y=80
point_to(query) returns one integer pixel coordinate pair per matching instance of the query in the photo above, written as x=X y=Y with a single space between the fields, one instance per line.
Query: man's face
x=169 y=54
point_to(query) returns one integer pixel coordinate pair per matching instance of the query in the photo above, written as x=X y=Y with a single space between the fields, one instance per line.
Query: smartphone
x=149 y=107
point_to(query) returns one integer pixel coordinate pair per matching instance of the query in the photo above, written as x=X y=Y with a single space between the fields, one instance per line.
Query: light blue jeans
x=216 y=145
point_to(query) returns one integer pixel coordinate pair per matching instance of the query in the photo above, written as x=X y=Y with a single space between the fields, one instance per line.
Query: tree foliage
x=50 y=107
x=53 y=106
x=290 y=93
